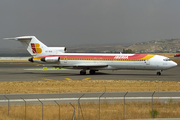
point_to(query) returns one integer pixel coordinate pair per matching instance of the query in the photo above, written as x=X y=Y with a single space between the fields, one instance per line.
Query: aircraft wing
x=85 y=65
x=90 y=65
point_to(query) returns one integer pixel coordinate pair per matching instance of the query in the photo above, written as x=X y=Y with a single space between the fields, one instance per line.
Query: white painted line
x=93 y=98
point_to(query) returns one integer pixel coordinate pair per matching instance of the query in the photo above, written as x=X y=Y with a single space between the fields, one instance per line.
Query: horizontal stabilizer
x=20 y=38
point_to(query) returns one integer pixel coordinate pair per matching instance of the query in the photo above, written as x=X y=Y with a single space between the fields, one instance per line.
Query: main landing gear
x=91 y=72
x=158 y=72
x=82 y=72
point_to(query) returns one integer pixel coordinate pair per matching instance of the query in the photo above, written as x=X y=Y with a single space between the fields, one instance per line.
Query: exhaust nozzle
x=30 y=59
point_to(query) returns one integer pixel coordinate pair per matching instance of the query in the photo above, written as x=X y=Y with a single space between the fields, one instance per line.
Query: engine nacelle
x=50 y=59
x=56 y=50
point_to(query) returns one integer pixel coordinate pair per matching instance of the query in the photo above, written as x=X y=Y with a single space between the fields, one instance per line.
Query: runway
x=22 y=72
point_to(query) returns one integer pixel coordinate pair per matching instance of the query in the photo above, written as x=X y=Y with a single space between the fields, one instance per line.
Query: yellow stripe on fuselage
x=149 y=56
x=37 y=58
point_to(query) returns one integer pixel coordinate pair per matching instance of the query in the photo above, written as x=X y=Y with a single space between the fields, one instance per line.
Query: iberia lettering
x=121 y=57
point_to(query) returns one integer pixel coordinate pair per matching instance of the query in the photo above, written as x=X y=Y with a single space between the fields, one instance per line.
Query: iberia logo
x=36 y=48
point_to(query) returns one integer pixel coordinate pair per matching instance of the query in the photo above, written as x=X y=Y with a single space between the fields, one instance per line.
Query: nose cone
x=173 y=64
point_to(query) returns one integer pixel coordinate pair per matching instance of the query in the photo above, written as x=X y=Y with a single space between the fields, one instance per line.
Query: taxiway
x=21 y=72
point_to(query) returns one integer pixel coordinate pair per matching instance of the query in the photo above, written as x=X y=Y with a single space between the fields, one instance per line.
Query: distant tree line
x=128 y=51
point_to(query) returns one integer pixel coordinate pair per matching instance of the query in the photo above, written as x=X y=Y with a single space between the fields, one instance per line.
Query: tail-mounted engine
x=50 y=59
x=55 y=50
x=45 y=59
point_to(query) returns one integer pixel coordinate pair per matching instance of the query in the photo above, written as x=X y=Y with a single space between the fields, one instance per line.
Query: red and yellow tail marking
x=36 y=48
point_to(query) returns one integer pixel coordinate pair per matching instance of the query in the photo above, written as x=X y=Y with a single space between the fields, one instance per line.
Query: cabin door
x=65 y=59
x=147 y=62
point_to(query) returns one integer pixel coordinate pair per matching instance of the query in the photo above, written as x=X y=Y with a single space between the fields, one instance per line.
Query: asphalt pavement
x=22 y=72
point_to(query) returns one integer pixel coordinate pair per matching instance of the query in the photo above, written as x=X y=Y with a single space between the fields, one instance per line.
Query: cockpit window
x=166 y=59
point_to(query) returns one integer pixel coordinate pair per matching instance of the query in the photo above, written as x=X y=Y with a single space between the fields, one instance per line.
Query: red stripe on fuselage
x=135 y=56
x=138 y=56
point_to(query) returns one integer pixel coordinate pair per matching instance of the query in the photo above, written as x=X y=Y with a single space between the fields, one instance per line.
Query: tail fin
x=33 y=45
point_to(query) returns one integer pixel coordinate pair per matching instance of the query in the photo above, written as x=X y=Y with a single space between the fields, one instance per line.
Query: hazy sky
x=80 y=22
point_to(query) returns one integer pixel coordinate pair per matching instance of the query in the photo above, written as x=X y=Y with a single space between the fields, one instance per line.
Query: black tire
x=158 y=73
x=82 y=73
x=92 y=72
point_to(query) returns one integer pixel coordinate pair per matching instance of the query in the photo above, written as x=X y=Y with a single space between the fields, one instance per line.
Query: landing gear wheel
x=92 y=72
x=82 y=72
x=158 y=73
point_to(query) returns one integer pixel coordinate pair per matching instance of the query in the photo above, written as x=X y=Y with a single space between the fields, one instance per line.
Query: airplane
x=58 y=58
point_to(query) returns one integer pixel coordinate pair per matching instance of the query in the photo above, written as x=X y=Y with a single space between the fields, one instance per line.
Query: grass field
x=170 y=55
x=68 y=86
x=108 y=111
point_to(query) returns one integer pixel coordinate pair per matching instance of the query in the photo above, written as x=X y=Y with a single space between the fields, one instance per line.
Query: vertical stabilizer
x=33 y=45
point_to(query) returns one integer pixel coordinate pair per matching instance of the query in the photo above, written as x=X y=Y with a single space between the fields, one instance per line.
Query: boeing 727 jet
x=57 y=57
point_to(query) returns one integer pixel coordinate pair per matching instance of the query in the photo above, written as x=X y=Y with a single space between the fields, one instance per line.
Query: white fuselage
x=156 y=62
x=56 y=57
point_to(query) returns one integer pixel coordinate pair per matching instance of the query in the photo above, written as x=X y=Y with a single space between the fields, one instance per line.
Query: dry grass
x=177 y=61
x=14 y=61
x=52 y=86
x=20 y=62
x=109 y=111
x=165 y=54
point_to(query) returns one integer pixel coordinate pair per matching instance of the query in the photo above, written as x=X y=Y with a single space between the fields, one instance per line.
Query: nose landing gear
x=158 y=72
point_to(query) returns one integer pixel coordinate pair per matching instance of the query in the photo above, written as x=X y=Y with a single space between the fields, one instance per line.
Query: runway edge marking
x=93 y=98
x=68 y=78
x=47 y=79
x=86 y=78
